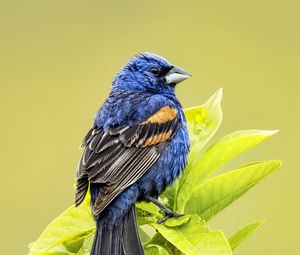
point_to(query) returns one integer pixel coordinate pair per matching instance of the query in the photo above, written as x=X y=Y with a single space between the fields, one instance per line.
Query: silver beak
x=176 y=75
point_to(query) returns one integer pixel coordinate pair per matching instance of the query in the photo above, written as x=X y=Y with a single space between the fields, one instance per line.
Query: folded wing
x=119 y=157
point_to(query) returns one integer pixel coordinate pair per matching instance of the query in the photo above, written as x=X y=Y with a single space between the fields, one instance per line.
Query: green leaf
x=147 y=213
x=87 y=245
x=143 y=235
x=56 y=253
x=71 y=243
x=153 y=249
x=228 y=148
x=169 y=195
x=194 y=238
x=159 y=240
x=148 y=207
x=143 y=219
x=236 y=239
x=70 y=222
x=211 y=197
x=176 y=222
x=202 y=122
x=216 y=156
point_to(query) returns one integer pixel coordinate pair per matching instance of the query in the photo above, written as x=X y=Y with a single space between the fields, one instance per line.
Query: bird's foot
x=169 y=215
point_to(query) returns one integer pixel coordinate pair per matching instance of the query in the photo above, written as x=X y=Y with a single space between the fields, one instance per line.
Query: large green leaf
x=149 y=208
x=84 y=249
x=147 y=213
x=176 y=222
x=202 y=122
x=211 y=197
x=71 y=222
x=87 y=246
x=153 y=249
x=169 y=195
x=236 y=239
x=217 y=155
x=159 y=240
x=143 y=235
x=194 y=238
x=70 y=244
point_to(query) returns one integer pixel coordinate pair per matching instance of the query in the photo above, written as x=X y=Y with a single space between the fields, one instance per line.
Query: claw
x=168 y=216
x=163 y=219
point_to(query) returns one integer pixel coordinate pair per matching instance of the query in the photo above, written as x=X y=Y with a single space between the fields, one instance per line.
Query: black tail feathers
x=121 y=240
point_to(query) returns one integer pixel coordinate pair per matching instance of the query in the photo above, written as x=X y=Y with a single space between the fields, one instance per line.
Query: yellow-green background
x=58 y=59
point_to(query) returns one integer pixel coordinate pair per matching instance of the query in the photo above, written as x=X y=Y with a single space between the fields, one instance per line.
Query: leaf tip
x=276 y=163
x=219 y=93
x=216 y=98
x=258 y=223
x=270 y=132
x=279 y=163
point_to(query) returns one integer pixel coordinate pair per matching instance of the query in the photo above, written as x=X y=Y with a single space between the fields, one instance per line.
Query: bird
x=138 y=145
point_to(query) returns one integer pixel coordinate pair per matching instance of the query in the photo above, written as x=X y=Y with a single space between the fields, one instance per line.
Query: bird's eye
x=154 y=70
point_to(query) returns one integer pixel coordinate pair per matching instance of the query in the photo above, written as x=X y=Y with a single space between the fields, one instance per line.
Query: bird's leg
x=168 y=213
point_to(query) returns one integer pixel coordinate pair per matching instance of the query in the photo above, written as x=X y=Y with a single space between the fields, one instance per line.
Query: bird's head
x=150 y=72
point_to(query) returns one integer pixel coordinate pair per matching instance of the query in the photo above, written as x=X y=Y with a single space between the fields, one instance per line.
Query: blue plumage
x=141 y=127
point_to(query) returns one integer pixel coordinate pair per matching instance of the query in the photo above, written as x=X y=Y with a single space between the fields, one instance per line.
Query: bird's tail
x=121 y=240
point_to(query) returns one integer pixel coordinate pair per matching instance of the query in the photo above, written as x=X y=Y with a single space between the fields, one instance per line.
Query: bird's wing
x=119 y=157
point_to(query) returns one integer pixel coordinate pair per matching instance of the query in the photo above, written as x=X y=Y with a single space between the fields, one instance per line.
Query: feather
x=119 y=157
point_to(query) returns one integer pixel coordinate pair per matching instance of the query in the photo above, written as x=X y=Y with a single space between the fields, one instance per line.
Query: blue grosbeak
x=137 y=146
